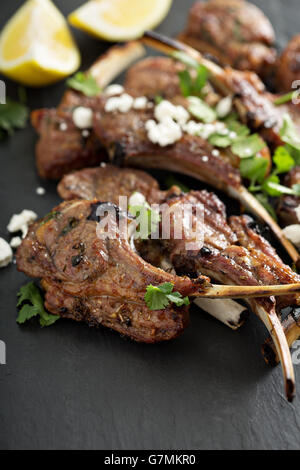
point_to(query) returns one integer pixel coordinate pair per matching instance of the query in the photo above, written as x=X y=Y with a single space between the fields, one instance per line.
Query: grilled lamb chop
x=107 y=183
x=233 y=252
x=236 y=32
x=99 y=281
x=63 y=147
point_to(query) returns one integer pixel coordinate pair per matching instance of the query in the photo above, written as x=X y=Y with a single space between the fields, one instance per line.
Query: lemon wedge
x=119 y=20
x=36 y=46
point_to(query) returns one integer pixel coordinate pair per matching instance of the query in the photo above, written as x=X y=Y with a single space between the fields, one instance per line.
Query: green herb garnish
x=86 y=84
x=289 y=134
x=159 y=297
x=285 y=98
x=200 y=110
x=245 y=147
x=190 y=86
x=13 y=115
x=147 y=218
x=33 y=305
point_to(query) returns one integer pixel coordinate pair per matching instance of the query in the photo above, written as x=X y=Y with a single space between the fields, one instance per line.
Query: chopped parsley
x=84 y=83
x=13 y=115
x=190 y=86
x=159 y=297
x=32 y=305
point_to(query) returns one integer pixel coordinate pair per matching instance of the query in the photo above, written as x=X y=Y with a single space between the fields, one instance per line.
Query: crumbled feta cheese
x=165 y=109
x=103 y=164
x=164 y=133
x=6 y=254
x=297 y=210
x=140 y=103
x=193 y=128
x=15 y=242
x=224 y=107
x=122 y=103
x=292 y=232
x=137 y=199
x=63 y=126
x=114 y=89
x=40 y=191
x=83 y=117
x=205 y=158
x=215 y=153
x=85 y=133
x=20 y=222
x=232 y=135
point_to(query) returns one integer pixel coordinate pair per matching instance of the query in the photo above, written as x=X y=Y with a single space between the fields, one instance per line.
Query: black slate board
x=71 y=387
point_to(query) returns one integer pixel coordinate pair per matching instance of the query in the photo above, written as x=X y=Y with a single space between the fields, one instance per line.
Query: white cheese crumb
x=165 y=133
x=85 y=133
x=103 y=164
x=224 y=107
x=215 y=153
x=140 y=103
x=63 y=126
x=20 y=222
x=40 y=191
x=114 y=89
x=165 y=109
x=122 y=103
x=15 y=242
x=205 y=159
x=83 y=117
x=292 y=232
x=6 y=254
x=297 y=210
x=137 y=199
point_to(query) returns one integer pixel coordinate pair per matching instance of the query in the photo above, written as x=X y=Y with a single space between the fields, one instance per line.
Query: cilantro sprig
x=85 y=83
x=159 y=297
x=32 y=305
x=13 y=115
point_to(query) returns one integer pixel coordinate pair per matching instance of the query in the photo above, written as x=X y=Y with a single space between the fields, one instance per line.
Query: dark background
x=71 y=387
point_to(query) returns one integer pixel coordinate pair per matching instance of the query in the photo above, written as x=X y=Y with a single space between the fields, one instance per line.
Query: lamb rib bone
x=217 y=75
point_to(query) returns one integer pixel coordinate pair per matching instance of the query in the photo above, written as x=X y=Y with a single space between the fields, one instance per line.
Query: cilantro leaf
x=268 y=185
x=235 y=126
x=201 y=110
x=33 y=305
x=13 y=115
x=201 y=79
x=280 y=189
x=159 y=297
x=219 y=140
x=254 y=169
x=86 y=84
x=246 y=147
x=284 y=162
x=185 y=82
x=289 y=133
x=190 y=87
